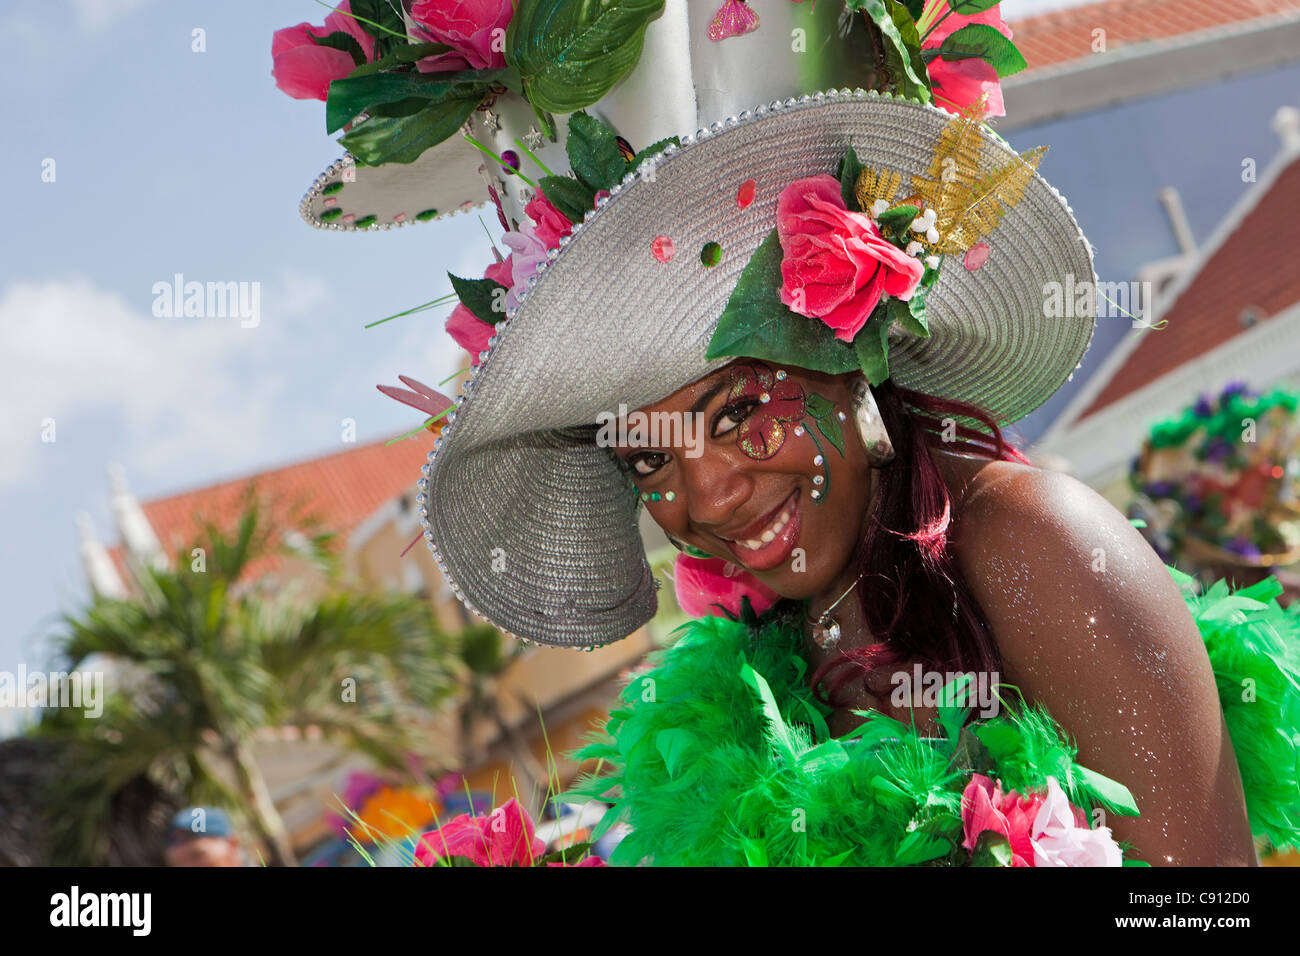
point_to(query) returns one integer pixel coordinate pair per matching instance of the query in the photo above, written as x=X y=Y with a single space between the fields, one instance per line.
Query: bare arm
x=1091 y=625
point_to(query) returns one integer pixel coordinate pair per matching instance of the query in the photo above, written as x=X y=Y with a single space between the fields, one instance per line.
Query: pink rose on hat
x=837 y=265
x=469 y=27
x=304 y=69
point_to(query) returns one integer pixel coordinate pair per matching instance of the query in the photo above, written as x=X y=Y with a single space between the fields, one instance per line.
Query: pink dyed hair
x=912 y=596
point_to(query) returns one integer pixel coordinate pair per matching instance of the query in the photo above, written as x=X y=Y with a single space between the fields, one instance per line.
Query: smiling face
x=759 y=464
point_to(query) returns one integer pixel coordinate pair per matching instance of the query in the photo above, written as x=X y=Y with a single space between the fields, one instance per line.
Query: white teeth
x=768 y=536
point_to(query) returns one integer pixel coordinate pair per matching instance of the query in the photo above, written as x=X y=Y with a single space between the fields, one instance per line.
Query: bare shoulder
x=1090 y=624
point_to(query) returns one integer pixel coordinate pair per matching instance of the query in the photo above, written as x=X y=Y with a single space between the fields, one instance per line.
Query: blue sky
x=168 y=161
x=172 y=161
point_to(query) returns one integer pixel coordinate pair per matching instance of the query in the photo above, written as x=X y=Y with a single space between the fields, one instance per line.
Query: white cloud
x=161 y=393
x=99 y=14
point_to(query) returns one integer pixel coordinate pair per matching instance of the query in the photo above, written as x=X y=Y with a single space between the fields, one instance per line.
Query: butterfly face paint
x=782 y=406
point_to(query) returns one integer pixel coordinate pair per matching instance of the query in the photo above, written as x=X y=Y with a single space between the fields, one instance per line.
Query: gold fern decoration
x=967 y=202
x=872 y=186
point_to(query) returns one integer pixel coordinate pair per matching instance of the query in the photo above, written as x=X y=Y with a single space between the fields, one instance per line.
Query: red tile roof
x=341 y=490
x=1049 y=39
x=1243 y=272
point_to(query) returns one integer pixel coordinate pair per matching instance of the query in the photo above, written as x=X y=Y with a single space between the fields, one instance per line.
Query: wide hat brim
x=533 y=524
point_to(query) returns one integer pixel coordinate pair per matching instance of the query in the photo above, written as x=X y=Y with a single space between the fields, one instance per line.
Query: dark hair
x=913 y=598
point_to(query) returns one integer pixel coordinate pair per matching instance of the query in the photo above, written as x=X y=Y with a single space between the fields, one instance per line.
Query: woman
x=854 y=289
x=1051 y=588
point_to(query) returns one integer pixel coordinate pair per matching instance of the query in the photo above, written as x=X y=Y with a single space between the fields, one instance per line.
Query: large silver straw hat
x=534 y=524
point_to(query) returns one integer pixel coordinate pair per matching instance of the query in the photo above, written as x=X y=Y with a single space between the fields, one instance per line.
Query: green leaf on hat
x=572 y=198
x=654 y=149
x=571 y=54
x=898 y=216
x=401 y=139
x=983 y=42
x=901 y=46
x=756 y=324
x=848 y=173
x=593 y=152
x=383 y=21
x=916 y=7
x=910 y=315
x=403 y=54
x=352 y=95
x=481 y=297
x=339 y=40
x=871 y=345
x=968 y=8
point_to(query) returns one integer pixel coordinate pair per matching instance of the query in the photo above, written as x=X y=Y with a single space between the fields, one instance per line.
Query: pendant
x=826 y=632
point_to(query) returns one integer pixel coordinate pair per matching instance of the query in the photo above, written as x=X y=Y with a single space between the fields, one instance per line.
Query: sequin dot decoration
x=745 y=194
x=711 y=254
x=662 y=248
x=511 y=165
x=976 y=256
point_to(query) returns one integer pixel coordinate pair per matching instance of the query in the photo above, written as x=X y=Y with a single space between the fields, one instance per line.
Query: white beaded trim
x=329 y=175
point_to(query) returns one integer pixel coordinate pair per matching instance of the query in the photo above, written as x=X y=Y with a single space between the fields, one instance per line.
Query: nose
x=716 y=488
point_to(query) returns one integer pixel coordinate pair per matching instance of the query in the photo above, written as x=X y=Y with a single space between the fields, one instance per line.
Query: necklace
x=826 y=630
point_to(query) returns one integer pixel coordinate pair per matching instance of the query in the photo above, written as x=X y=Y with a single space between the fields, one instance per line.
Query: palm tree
x=208 y=654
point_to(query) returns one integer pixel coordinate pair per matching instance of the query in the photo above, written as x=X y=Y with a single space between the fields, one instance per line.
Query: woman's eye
x=648 y=463
x=732 y=416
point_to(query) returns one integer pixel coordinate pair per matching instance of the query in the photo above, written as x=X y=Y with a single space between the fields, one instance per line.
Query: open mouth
x=767 y=546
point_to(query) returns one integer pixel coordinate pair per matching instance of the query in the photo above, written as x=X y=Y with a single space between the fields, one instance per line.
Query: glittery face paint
x=782 y=404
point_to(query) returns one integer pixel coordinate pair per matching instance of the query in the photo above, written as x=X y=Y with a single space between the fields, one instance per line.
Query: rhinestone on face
x=841 y=416
x=818 y=480
x=798 y=431
x=669 y=495
x=764 y=398
x=817 y=460
x=780 y=375
x=815 y=494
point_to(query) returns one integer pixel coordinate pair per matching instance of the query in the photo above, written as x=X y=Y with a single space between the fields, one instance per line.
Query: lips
x=767 y=542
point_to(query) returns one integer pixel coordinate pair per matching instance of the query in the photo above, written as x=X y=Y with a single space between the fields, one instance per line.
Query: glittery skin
x=1090 y=625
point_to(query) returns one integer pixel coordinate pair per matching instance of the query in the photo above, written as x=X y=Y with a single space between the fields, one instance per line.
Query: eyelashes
x=729 y=418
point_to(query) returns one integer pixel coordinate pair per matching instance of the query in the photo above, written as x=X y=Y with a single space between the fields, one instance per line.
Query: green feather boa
x=720 y=754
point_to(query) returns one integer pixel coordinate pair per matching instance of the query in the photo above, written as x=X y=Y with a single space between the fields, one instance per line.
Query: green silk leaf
x=910 y=315
x=593 y=152
x=385 y=23
x=352 y=95
x=900 y=46
x=480 y=296
x=991 y=849
x=849 y=171
x=570 y=53
x=755 y=323
x=968 y=8
x=981 y=41
x=654 y=149
x=338 y=40
x=1114 y=794
x=871 y=346
x=898 y=216
x=572 y=198
x=402 y=139
x=403 y=54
